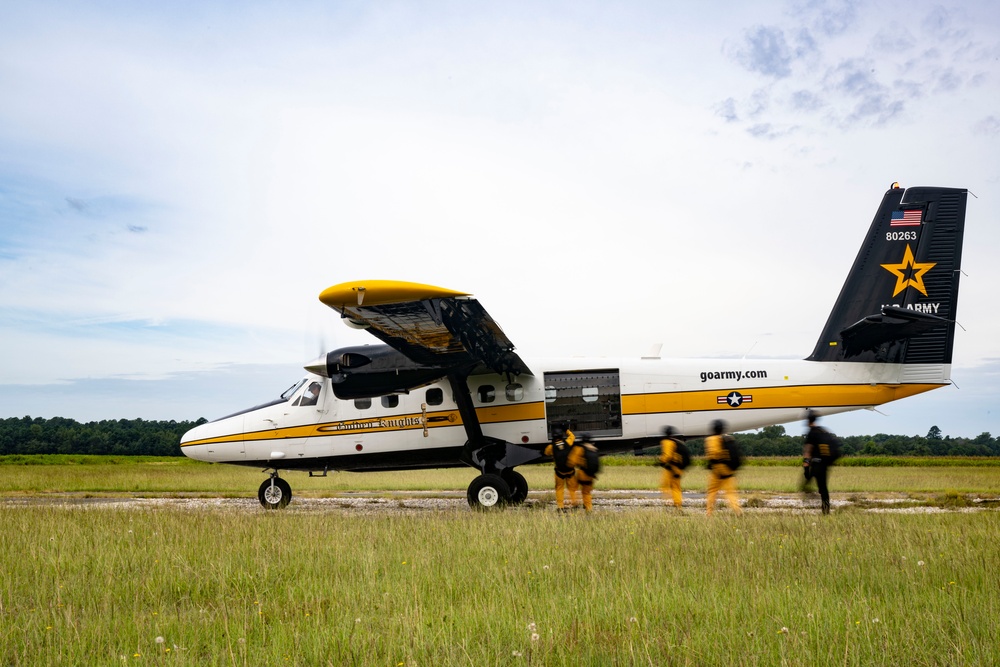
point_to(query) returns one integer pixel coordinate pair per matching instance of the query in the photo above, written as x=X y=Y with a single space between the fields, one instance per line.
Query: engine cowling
x=364 y=371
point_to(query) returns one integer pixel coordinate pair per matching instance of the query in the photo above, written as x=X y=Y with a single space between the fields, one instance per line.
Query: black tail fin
x=899 y=302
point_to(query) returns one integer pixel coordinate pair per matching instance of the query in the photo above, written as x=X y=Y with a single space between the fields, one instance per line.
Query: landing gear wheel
x=274 y=493
x=487 y=492
x=518 y=485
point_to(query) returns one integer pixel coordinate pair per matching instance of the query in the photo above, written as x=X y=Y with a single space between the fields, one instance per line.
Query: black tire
x=518 y=485
x=488 y=492
x=276 y=496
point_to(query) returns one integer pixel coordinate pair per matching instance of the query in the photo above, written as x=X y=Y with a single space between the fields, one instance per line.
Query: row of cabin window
x=435 y=396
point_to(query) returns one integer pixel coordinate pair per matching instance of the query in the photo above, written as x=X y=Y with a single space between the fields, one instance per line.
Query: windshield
x=287 y=394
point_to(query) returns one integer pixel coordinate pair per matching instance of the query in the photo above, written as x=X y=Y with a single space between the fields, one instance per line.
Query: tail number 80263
x=900 y=236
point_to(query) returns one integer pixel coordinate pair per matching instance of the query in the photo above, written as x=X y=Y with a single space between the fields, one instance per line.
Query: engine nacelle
x=363 y=371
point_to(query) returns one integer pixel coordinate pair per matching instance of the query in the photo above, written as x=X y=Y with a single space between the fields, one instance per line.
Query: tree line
x=120 y=437
x=139 y=437
x=774 y=441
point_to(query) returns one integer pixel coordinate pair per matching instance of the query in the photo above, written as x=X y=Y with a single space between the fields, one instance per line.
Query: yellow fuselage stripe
x=801 y=396
x=487 y=415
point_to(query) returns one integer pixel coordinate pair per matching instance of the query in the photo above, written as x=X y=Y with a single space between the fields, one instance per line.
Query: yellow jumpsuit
x=720 y=475
x=565 y=478
x=670 y=482
x=577 y=459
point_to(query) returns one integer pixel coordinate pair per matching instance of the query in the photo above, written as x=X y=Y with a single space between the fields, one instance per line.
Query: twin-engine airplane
x=446 y=389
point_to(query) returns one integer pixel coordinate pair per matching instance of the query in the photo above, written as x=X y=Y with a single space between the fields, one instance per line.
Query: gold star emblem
x=916 y=271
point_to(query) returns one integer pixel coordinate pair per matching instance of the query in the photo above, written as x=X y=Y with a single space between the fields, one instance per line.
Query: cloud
x=726 y=109
x=940 y=25
x=860 y=66
x=805 y=100
x=77 y=205
x=855 y=80
x=766 y=51
x=829 y=18
x=987 y=127
x=948 y=81
x=769 y=131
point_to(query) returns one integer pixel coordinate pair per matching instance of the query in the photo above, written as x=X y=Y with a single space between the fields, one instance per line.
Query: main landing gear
x=496 y=490
x=499 y=484
x=274 y=493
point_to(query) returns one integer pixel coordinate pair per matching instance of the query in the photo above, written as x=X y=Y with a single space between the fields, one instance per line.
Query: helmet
x=718 y=427
x=586 y=437
x=669 y=431
x=811 y=416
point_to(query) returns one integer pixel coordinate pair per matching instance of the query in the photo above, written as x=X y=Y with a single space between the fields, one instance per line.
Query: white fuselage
x=620 y=401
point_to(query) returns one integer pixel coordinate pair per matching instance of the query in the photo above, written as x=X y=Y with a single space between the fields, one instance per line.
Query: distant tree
x=934 y=433
x=775 y=431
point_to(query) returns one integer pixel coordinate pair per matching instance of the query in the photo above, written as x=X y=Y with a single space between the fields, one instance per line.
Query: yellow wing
x=430 y=325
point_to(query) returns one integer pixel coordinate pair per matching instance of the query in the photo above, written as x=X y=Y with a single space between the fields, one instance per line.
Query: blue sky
x=179 y=182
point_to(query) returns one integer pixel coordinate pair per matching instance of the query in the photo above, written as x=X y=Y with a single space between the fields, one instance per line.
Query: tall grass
x=103 y=587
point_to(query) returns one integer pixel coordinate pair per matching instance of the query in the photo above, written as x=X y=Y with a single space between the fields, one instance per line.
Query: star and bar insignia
x=734 y=399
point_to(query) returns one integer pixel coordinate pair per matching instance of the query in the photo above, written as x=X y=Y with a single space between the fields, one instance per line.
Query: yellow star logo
x=916 y=271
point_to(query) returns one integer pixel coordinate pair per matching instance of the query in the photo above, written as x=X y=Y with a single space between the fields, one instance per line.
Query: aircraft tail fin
x=898 y=304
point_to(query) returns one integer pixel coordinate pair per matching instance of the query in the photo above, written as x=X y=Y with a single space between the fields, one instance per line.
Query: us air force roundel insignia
x=734 y=399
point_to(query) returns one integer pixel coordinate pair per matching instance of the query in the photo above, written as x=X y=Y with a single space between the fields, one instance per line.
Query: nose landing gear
x=274 y=493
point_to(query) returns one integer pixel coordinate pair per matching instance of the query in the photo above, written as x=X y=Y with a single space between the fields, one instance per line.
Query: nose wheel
x=274 y=493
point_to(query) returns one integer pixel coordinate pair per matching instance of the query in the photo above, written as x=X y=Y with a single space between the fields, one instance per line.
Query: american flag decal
x=909 y=218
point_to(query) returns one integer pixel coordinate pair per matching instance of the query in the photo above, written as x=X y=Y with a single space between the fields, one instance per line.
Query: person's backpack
x=735 y=453
x=682 y=455
x=829 y=446
x=591 y=461
x=560 y=454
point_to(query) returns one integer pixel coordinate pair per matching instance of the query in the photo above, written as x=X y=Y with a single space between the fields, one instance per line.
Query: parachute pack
x=560 y=454
x=591 y=461
x=829 y=446
x=735 y=453
x=682 y=455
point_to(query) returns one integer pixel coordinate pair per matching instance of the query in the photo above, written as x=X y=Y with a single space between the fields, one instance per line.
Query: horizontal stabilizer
x=892 y=324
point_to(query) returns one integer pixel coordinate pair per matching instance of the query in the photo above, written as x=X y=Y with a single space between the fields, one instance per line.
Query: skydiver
x=673 y=466
x=565 y=475
x=820 y=449
x=584 y=458
x=720 y=475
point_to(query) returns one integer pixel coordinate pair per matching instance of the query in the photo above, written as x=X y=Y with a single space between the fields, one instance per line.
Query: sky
x=179 y=182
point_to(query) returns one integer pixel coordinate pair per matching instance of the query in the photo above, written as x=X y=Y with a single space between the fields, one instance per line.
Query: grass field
x=98 y=476
x=96 y=585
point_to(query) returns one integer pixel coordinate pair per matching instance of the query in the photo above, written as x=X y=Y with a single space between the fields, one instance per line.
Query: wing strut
x=490 y=455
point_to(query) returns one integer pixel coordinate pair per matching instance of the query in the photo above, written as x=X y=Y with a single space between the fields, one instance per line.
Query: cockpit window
x=311 y=395
x=288 y=393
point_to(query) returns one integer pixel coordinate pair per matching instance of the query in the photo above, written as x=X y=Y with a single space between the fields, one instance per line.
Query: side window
x=390 y=401
x=362 y=403
x=434 y=396
x=589 y=394
x=515 y=392
x=487 y=394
